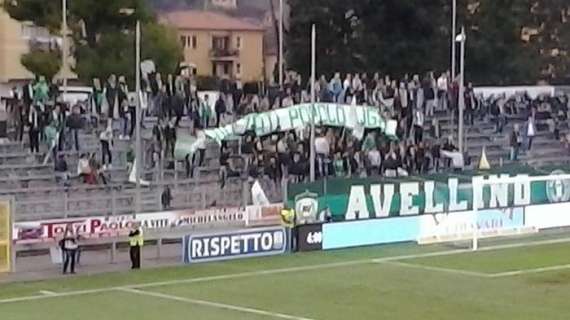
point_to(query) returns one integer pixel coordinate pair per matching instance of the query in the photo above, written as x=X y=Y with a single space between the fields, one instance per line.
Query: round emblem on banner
x=558 y=190
x=306 y=207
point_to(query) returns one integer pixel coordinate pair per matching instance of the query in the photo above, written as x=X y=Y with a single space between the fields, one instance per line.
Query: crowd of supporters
x=39 y=109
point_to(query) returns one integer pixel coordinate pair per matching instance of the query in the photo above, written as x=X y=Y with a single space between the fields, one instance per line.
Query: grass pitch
x=524 y=278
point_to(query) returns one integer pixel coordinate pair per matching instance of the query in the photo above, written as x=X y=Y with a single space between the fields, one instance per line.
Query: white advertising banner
x=546 y=216
x=113 y=226
x=264 y=215
x=455 y=224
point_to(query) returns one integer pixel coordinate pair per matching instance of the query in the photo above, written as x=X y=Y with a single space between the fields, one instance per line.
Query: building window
x=238 y=69
x=226 y=69
x=183 y=41
x=238 y=42
x=220 y=43
x=194 y=42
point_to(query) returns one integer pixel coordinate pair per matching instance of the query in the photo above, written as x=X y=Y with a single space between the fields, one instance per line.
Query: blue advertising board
x=370 y=232
x=234 y=245
x=412 y=228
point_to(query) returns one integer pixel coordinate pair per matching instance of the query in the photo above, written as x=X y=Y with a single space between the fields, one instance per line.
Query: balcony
x=224 y=54
x=44 y=44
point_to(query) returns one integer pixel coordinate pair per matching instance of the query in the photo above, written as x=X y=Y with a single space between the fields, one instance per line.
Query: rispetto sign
x=234 y=245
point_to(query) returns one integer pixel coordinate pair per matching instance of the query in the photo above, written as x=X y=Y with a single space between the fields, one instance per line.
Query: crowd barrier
x=108 y=232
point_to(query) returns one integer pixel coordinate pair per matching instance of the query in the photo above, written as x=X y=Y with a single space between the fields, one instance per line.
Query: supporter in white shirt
x=375 y=160
x=287 y=101
x=83 y=168
x=347 y=83
x=442 y=83
x=322 y=146
x=357 y=83
x=322 y=149
x=442 y=86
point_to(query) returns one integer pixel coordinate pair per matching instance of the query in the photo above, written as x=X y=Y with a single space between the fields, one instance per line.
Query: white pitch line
x=529 y=271
x=278 y=271
x=47 y=292
x=212 y=304
x=439 y=269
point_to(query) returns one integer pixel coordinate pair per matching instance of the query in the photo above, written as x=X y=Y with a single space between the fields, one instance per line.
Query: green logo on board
x=558 y=190
x=306 y=207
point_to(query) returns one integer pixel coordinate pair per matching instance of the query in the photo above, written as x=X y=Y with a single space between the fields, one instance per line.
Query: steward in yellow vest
x=136 y=242
x=288 y=219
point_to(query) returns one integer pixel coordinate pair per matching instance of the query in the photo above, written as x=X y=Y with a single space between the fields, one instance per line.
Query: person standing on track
x=288 y=220
x=136 y=242
x=69 y=246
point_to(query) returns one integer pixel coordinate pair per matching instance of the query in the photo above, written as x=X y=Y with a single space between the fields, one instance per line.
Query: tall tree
x=42 y=62
x=496 y=53
x=103 y=40
x=339 y=32
x=548 y=28
x=397 y=37
x=406 y=36
x=390 y=36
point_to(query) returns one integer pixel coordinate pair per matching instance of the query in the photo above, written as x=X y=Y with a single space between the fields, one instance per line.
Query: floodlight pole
x=138 y=145
x=461 y=98
x=313 y=71
x=64 y=49
x=453 y=28
x=281 y=44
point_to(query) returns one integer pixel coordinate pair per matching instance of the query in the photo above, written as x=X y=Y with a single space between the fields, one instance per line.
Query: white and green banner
x=301 y=116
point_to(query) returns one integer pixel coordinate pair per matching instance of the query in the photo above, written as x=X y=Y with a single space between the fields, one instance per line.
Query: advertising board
x=264 y=215
x=417 y=228
x=5 y=238
x=370 y=232
x=233 y=245
x=361 y=199
x=112 y=226
x=310 y=237
x=548 y=216
x=456 y=225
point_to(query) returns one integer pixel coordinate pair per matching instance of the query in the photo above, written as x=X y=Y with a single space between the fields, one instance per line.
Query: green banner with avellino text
x=356 y=198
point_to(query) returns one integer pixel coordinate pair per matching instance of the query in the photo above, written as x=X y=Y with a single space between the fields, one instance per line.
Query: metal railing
x=116 y=199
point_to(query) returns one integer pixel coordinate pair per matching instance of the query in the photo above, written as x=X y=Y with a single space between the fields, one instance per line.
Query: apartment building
x=216 y=44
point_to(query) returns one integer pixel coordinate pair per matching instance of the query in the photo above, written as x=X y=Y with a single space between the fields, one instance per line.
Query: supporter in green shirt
x=369 y=142
x=338 y=165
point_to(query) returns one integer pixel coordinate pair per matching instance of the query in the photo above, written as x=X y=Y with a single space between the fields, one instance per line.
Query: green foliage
x=42 y=63
x=44 y=13
x=160 y=43
x=551 y=18
x=103 y=34
x=495 y=52
x=115 y=53
x=414 y=36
